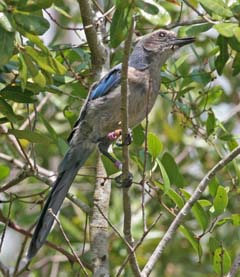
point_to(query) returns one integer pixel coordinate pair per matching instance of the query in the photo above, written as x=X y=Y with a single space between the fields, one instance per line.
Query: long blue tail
x=69 y=167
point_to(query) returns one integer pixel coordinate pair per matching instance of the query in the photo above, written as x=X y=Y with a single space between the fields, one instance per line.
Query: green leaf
x=30 y=5
x=5 y=22
x=175 y=197
x=14 y=93
x=120 y=25
x=236 y=64
x=196 y=29
x=192 y=239
x=40 y=79
x=237 y=33
x=211 y=123
x=200 y=76
x=217 y=7
x=30 y=136
x=166 y=181
x=138 y=135
x=172 y=170
x=7 y=110
x=199 y=213
x=36 y=25
x=45 y=61
x=213 y=186
x=146 y=6
x=213 y=244
x=4 y=171
x=220 y=201
x=222 y=58
x=161 y=18
x=235 y=219
x=226 y=29
x=221 y=261
x=6 y=46
x=22 y=71
x=154 y=145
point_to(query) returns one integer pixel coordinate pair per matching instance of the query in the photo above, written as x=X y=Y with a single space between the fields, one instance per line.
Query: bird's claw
x=124 y=183
x=128 y=139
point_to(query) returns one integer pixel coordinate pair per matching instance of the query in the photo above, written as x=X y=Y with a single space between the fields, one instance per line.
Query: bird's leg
x=103 y=148
x=118 y=133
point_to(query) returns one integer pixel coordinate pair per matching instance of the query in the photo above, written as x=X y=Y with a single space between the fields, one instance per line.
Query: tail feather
x=68 y=171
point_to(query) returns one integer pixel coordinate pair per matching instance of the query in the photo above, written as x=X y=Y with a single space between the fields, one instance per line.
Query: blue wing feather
x=107 y=83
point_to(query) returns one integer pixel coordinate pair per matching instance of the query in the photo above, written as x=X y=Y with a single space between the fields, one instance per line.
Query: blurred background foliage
x=45 y=75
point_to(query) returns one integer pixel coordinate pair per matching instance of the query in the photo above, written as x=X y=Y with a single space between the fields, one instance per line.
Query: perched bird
x=100 y=117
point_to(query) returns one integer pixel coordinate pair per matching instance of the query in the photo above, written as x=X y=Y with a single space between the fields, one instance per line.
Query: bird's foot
x=115 y=135
x=124 y=183
x=128 y=139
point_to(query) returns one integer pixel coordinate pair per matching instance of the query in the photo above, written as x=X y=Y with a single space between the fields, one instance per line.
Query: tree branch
x=125 y=169
x=235 y=267
x=98 y=55
x=99 y=226
x=186 y=210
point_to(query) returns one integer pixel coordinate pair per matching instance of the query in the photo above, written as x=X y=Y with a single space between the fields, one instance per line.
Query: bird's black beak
x=183 y=41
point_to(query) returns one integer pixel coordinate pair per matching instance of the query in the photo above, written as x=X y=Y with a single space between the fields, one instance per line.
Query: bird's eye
x=162 y=34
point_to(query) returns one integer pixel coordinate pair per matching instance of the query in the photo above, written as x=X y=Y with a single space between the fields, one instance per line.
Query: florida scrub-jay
x=100 y=115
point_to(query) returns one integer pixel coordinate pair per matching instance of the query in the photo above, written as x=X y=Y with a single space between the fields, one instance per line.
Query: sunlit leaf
x=120 y=25
x=172 y=170
x=221 y=261
x=36 y=25
x=235 y=219
x=31 y=136
x=7 y=110
x=5 y=22
x=162 y=18
x=22 y=71
x=217 y=6
x=166 y=181
x=4 y=171
x=210 y=123
x=6 y=46
x=220 y=201
x=30 y=5
x=154 y=145
x=236 y=64
x=222 y=58
x=192 y=239
x=226 y=29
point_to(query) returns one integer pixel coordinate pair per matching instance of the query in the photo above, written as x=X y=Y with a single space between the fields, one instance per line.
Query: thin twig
x=197 y=12
x=19 y=178
x=145 y=156
x=186 y=210
x=68 y=242
x=32 y=115
x=115 y=229
x=137 y=245
x=98 y=54
x=6 y=225
x=125 y=170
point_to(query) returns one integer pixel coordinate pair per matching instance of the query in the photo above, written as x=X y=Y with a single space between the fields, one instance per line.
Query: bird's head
x=162 y=41
x=158 y=46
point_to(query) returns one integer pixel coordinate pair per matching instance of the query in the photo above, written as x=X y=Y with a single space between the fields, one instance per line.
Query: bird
x=100 y=116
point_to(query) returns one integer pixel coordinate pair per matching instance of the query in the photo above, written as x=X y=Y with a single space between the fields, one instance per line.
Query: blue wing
x=111 y=80
x=107 y=83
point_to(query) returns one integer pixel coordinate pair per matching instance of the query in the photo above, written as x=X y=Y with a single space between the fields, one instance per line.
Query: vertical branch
x=98 y=55
x=145 y=157
x=98 y=226
x=125 y=170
